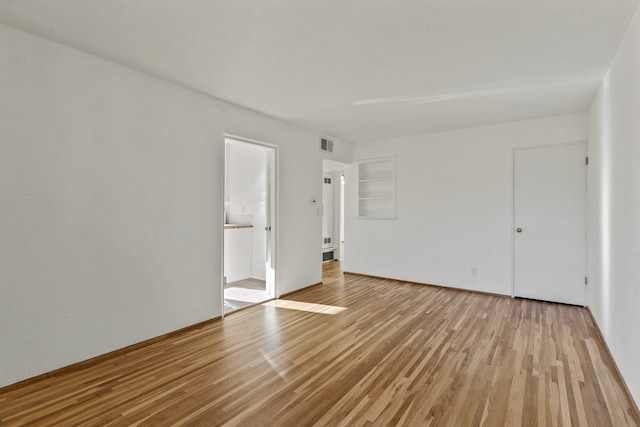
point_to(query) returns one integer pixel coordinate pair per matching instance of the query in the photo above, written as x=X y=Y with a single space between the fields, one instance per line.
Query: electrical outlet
x=474 y=271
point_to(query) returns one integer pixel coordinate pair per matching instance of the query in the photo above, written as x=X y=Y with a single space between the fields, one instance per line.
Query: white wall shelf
x=376 y=191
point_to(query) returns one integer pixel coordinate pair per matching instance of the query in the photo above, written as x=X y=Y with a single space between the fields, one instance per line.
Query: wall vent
x=327 y=240
x=327 y=256
x=326 y=145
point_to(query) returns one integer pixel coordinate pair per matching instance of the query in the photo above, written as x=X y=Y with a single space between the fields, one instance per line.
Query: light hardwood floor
x=353 y=351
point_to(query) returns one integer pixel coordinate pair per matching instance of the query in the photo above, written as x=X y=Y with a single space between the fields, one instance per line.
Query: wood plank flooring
x=361 y=351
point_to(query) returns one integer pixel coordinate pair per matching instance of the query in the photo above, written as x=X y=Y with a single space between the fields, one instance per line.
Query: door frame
x=274 y=201
x=513 y=208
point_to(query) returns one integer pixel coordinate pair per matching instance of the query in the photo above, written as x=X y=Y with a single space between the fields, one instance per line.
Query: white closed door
x=549 y=219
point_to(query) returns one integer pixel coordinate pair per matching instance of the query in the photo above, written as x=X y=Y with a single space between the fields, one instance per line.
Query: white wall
x=614 y=208
x=454 y=205
x=111 y=204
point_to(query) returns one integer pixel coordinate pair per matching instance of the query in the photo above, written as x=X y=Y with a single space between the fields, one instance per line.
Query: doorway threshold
x=244 y=293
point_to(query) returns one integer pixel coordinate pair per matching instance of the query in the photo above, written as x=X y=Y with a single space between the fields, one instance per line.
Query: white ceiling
x=358 y=69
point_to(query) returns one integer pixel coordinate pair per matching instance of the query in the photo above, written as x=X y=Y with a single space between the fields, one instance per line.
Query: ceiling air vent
x=326 y=145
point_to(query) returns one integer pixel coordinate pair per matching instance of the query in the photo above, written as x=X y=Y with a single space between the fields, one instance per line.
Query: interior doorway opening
x=249 y=224
x=332 y=211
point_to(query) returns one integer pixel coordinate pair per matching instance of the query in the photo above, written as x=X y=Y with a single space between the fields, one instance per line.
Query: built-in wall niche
x=377 y=188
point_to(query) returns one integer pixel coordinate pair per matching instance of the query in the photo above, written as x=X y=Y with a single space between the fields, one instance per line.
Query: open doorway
x=249 y=225
x=332 y=211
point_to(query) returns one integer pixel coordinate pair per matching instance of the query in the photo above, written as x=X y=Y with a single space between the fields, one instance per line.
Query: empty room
x=439 y=226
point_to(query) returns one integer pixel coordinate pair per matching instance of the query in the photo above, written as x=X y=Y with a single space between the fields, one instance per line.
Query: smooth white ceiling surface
x=360 y=69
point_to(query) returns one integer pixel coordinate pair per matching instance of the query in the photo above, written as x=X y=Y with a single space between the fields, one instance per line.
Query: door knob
x=519 y=230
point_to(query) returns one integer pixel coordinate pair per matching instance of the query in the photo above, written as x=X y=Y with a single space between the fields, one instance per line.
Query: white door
x=270 y=227
x=549 y=219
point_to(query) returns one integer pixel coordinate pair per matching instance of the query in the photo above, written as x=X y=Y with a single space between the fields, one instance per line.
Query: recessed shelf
x=376 y=192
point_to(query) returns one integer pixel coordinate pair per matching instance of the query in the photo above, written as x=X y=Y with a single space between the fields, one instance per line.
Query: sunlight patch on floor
x=305 y=306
